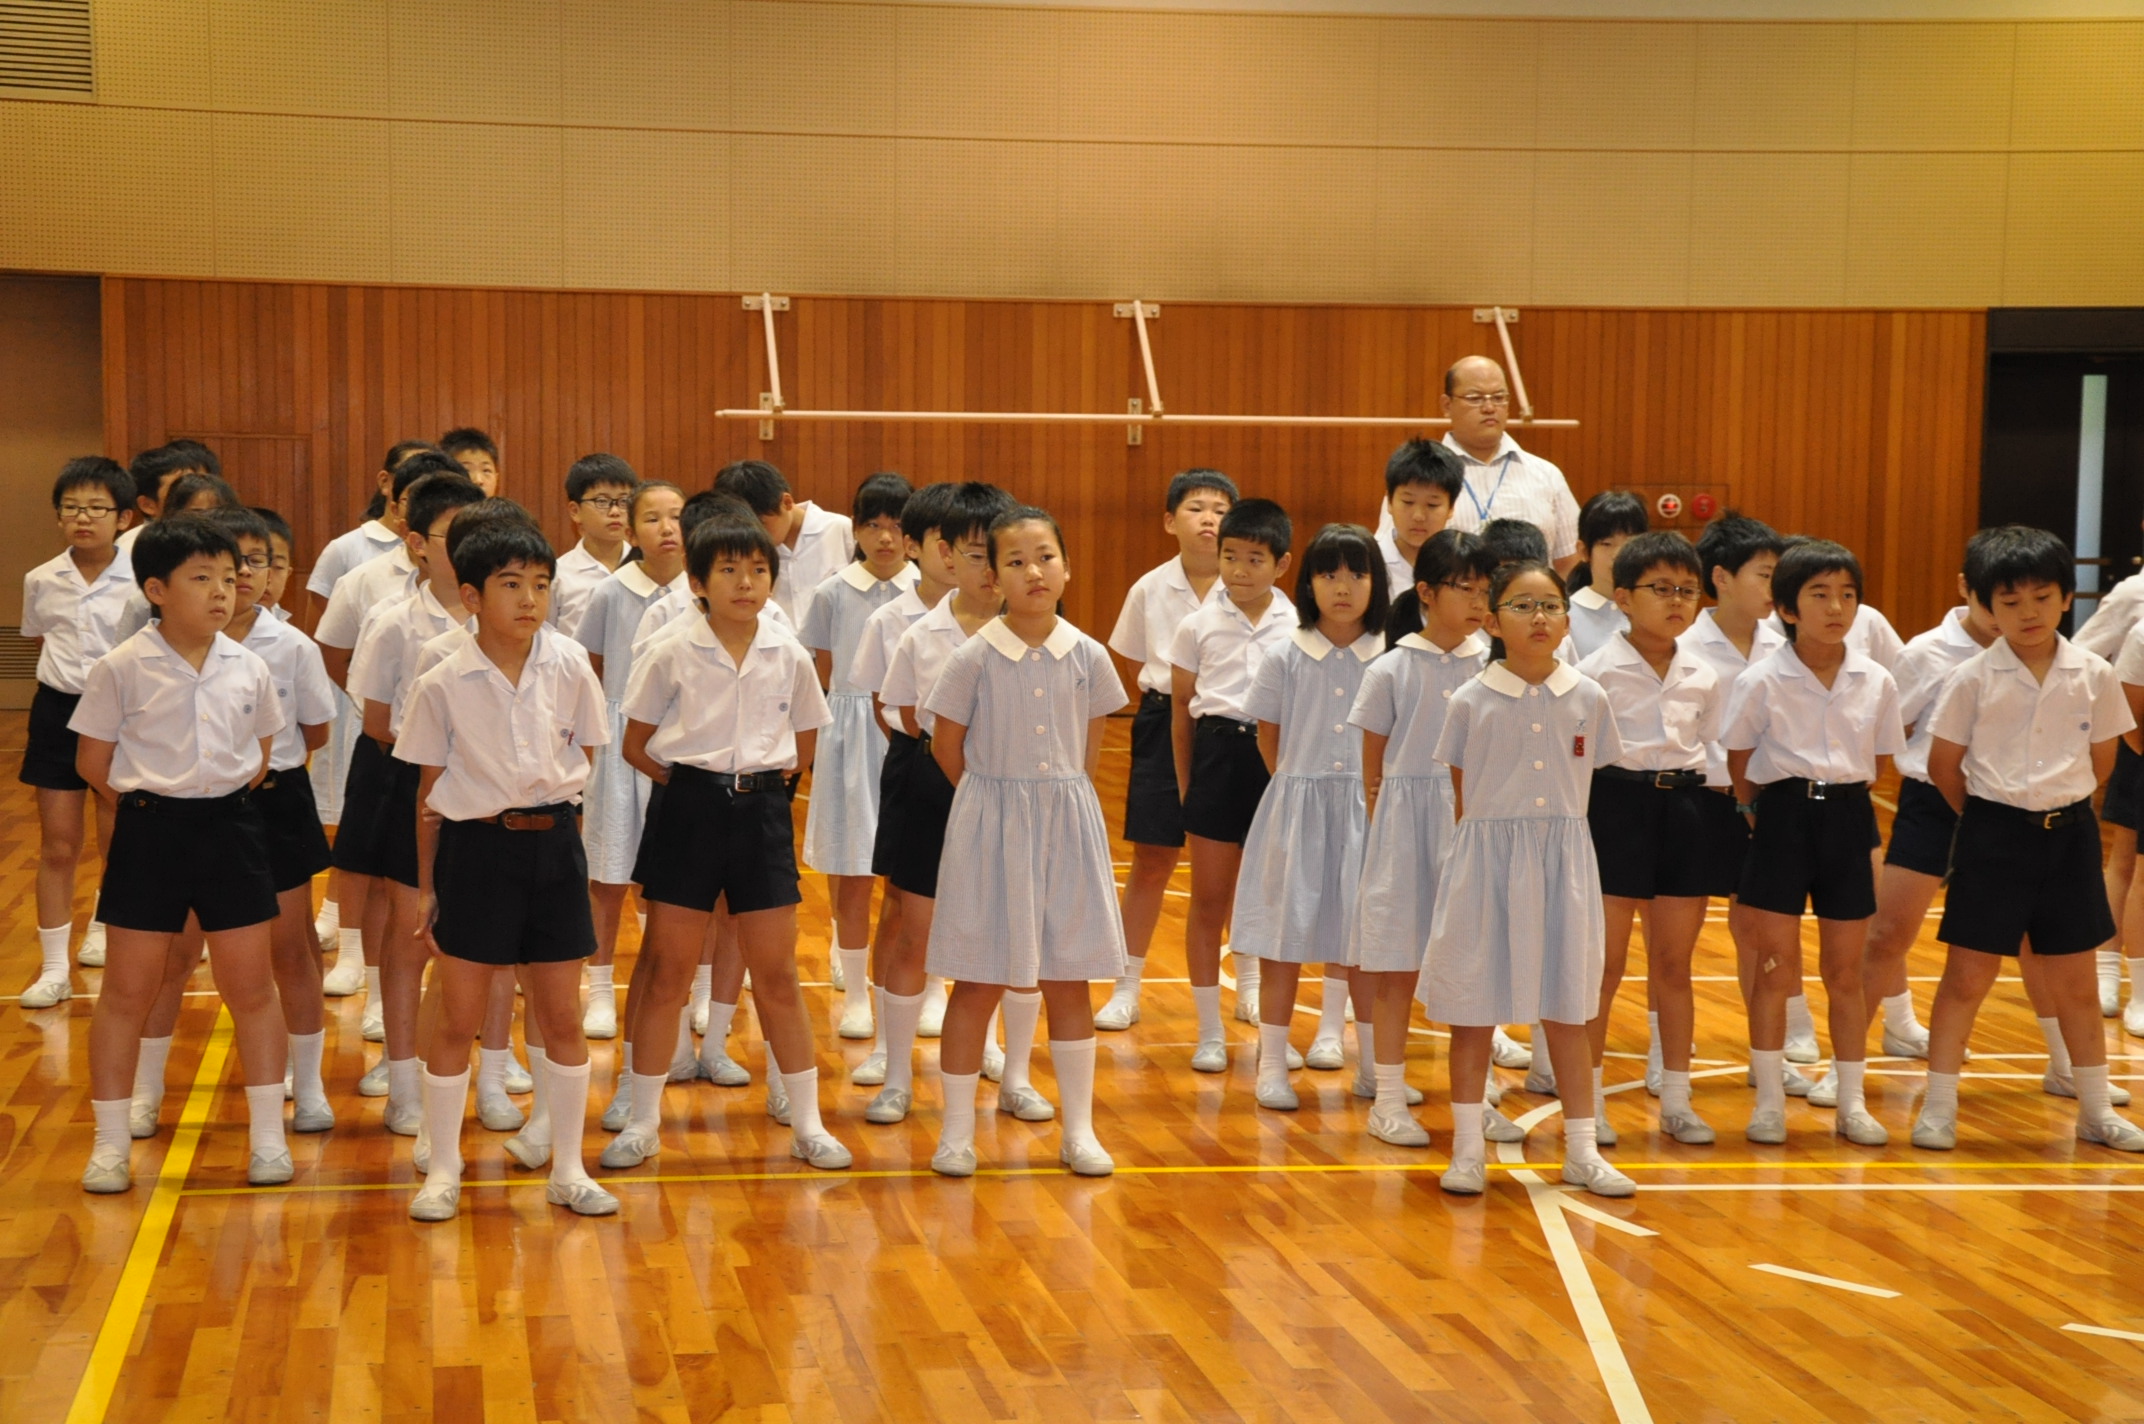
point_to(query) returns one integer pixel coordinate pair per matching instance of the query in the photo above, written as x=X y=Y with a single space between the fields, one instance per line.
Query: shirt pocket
x=1682 y=716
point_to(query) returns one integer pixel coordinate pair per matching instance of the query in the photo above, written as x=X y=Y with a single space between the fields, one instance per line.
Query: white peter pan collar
x=1499 y=678
x=857 y=575
x=1473 y=645
x=1317 y=645
x=1590 y=598
x=1063 y=639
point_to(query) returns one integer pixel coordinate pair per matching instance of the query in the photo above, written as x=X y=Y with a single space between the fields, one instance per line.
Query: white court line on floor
x=2103 y=1330
x=1594 y=1214
x=1833 y=1281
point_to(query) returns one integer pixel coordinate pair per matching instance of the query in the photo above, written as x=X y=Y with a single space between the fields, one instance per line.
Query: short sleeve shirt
x=1222 y=647
x=1308 y=688
x=1154 y=609
x=1026 y=709
x=1405 y=695
x=825 y=542
x=579 y=573
x=612 y=617
x=386 y=579
x=1664 y=723
x=1794 y=726
x=919 y=658
x=2028 y=741
x=504 y=745
x=713 y=713
x=840 y=608
x=302 y=688
x=78 y=618
x=1719 y=651
x=1513 y=484
x=385 y=666
x=1922 y=671
x=346 y=551
x=1528 y=749
x=1594 y=621
x=180 y=731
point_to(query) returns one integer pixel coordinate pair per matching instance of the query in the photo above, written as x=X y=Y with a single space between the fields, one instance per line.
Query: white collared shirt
x=613 y=615
x=1665 y=723
x=1399 y=574
x=1223 y=650
x=1796 y=726
x=1528 y=749
x=1307 y=688
x=2028 y=743
x=1404 y=696
x=1154 y=609
x=578 y=574
x=1595 y=620
x=881 y=635
x=1922 y=670
x=841 y=606
x=711 y=712
x=1027 y=710
x=1513 y=484
x=825 y=541
x=501 y=745
x=384 y=667
x=346 y=551
x=917 y=660
x=1872 y=636
x=664 y=614
x=387 y=579
x=180 y=732
x=2118 y=612
x=78 y=618
x=1704 y=638
x=302 y=688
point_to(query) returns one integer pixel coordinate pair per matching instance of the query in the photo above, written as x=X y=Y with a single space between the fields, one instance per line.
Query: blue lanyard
x=1481 y=511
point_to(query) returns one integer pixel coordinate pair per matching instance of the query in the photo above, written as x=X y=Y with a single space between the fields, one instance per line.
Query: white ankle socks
x=957 y=1133
x=1580 y=1148
x=1272 y=1053
x=1769 y=1067
x=803 y=1090
x=1365 y=1043
x=1127 y=988
x=1467 y=1143
x=52 y=951
x=2109 y=964
x=568 y=1122
x=536 y=1131
x=1021 y=1008
x=898 y=1022
x=445 y=1099
x=1073 y=1060
x=602 y=982
x=703 y=987
x=264 y=1118
x=305 y=1054
x=646 y=1112
x=114 y=1142
x=1332 y=1009
x=329 y=922
x=1674 y=1093
x=349 y=944
x=2058 y=1052
x=1207 y=998
x=405 y=1082
x=1799 y=1023
x=149 y=1063
x=1249 y=974
x=1941 y=1103
x=491 y=1070
x=1853 y=1094
x=2092 y=1102
x=855 y=976
x=1392 y=1086
x=719 y=1018
x=1898 y=1013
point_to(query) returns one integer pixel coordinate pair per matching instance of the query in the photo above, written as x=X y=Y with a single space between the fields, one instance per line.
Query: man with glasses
x=1502 y=480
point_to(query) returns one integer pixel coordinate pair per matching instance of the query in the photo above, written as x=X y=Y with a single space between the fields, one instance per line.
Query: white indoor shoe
x=600 y=1019
x=1507 y=1052
x=47 y=992
x=345 y=979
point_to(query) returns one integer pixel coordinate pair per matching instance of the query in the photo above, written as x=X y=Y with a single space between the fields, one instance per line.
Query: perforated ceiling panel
x=45 y=49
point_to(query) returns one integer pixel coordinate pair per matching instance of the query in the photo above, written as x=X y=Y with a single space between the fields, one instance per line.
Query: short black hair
x=95 y=472
x=1336 y=547
x=2012 y=554
x=881 y=496
x=1445 y=556
x=468 y=437
x=1804 y=560
x=1022 y=514
x=472 y=517
x=402 y=449
x=599 y=469
x=188 y=488
x=168 y=543
x=755 y=482
x=1655 y=549
x=1515 y=541
x=1186 y=483
x=1258 y=521
x=152 y=467
x=708 y=505
x=717 y=537
x=203 y=458
x=438 y=495
x=1609 y=513
x=425 y=462
x=1425 y=462
x=239 y=522
x=1732 y=540
x=277 y=524
x=500 y=543
x=971 y=509
x=925 y=508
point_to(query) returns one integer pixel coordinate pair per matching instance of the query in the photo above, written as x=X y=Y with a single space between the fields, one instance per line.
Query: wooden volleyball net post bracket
x=1140 y=412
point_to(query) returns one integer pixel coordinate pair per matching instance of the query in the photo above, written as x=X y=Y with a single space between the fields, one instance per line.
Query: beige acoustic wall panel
x=966 y=72
x=318 y=57
x=152 y=51
x=104 y=189
x=1617 y=86
x=1615 y=224
x=1137 y=220
x=647 y=210
x=975 y=218
x=1305 y=216
x=478 y=204
x=1925 y=229
x=1768 y=229
x=813 y=213
x=2079 y=86
x=1457 y=84
x=495 y=61
x=655 y=63
x=1933 y=86
x=2051 y=258
x=814 y=68
x=1456 y=225
x=1780 y=87
x=304 y=199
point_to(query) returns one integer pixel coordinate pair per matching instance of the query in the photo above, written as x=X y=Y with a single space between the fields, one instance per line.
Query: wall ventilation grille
x=45 y=49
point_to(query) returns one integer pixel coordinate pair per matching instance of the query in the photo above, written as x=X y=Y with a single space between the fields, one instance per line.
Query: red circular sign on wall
x=1669 y=505
x=1703 y=506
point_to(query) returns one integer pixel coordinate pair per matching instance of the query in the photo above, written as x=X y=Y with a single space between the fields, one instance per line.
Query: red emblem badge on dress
x=1578 y=745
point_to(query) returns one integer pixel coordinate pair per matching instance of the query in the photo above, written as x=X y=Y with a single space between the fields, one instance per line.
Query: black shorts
x=2124 y=805
x=1808 y=852
x=297 y=845
x=1228 y=778
x=1649 y=840
x=513 y=896
x=169 y=855
x=1922 y=829
x=1726 y=842
x=1153 y=808
x=705 y=842
x=48 y=757
x=378 y=834
x=912 y=808
x=2014 y=876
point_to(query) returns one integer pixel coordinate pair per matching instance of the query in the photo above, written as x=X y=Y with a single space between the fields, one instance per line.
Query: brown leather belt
x=548 y=818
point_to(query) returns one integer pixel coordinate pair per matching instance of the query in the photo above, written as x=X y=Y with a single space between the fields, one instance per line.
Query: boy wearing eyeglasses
x=599 y=497
x=1648 y=810
x=71 y=605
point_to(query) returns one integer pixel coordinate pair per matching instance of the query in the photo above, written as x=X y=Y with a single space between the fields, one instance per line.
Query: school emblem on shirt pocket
x=1578 y=745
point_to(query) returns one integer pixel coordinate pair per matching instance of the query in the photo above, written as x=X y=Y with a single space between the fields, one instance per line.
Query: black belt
x=530 y=818
x=1822 y=790
x=1227 y=726
x=1150 y=698
x=182 y=805
x=738 y=783
x=268 y=782
x=1664 y=780
x=2054 y=820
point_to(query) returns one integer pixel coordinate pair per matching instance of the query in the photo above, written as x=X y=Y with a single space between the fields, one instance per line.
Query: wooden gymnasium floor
x=1242 y=1264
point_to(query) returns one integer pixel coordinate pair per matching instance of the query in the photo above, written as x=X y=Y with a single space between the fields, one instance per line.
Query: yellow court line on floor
x=93 y=1396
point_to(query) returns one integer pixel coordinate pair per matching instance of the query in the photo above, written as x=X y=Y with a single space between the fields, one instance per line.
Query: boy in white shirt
x=599 y=500
x=176 y=724
x=1423 y=482
x=72 y=605
x=1804 y=729
x=814 y=541
x=1154 y=609
x=380 y=532
x=500 y=732
x=2023 y=735
x=1220 y=774
x=723 y=719
x=478 y=455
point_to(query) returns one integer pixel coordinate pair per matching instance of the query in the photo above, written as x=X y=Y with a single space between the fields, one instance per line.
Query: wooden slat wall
x=1863 y=426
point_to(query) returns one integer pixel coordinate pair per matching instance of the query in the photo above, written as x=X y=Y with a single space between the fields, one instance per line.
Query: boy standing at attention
x=1422 y=482
x=478 y=455
x=599 y=497
x=500 y=733
x=814 y=542
x=1156 y=607
x=1221 y=775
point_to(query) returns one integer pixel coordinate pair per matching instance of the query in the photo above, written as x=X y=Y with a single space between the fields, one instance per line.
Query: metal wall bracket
x=766 y=403
x=1482 y=315
x=1135 y=434
x=1128 y=310
x=759 y=303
